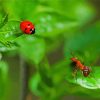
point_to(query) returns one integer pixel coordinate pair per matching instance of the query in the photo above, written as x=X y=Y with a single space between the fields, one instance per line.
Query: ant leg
x=74 y=74
x=82 y=76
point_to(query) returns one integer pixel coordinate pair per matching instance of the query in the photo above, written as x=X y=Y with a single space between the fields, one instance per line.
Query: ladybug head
x=27 y=27
x=86 y=71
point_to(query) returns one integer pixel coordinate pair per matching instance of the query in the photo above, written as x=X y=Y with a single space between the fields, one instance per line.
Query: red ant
x=78 y=65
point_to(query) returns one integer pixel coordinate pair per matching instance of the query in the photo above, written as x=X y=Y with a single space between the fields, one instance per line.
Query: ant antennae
x=72 y=54
x=74 y=74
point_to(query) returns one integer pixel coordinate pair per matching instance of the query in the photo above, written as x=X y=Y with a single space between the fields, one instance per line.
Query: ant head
x=86 y=71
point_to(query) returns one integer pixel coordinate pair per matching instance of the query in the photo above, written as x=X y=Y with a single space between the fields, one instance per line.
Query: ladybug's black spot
x=25 y=29
x=33 y=31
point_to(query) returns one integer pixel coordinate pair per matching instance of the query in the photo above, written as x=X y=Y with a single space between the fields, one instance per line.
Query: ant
x=78 y=65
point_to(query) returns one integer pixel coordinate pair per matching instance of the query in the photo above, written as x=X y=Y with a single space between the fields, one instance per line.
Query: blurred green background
x=37 y=67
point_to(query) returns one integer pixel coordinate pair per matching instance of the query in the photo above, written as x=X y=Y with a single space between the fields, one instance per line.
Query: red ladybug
x=27 y=27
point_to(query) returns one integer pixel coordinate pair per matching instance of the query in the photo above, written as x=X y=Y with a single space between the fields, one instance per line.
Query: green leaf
x=32 y=48
x=4 y=21
x=44 y=71
x=24 y=10
x=11 y=28
x=80 y=10
x=8 y=34
x=8 y=46
x=34 y=83
x=52 y=24
x=84 y=86
x=59 y=72
x=90 y=82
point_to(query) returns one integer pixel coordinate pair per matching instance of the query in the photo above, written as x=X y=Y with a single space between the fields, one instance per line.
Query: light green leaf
x=80 y=10
x=24 y=11
x=4 y=21
x=34 y=83
x=32 y=48
x=52 y=24
x=8 y=34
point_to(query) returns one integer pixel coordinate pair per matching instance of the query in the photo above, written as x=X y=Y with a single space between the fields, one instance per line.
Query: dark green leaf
x=4 y=21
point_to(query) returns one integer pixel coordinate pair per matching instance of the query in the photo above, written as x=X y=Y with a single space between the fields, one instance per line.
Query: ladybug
x=27 y=27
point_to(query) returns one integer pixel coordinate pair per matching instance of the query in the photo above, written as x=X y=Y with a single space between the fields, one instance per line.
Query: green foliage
x=86 y=46
x=4 y=70
x=57 y=23
x=85 y=43
x=7 y=34
x=3 y=21
x=52 y=24
x=34 y=82
x=32 y=48
x=3 y=78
